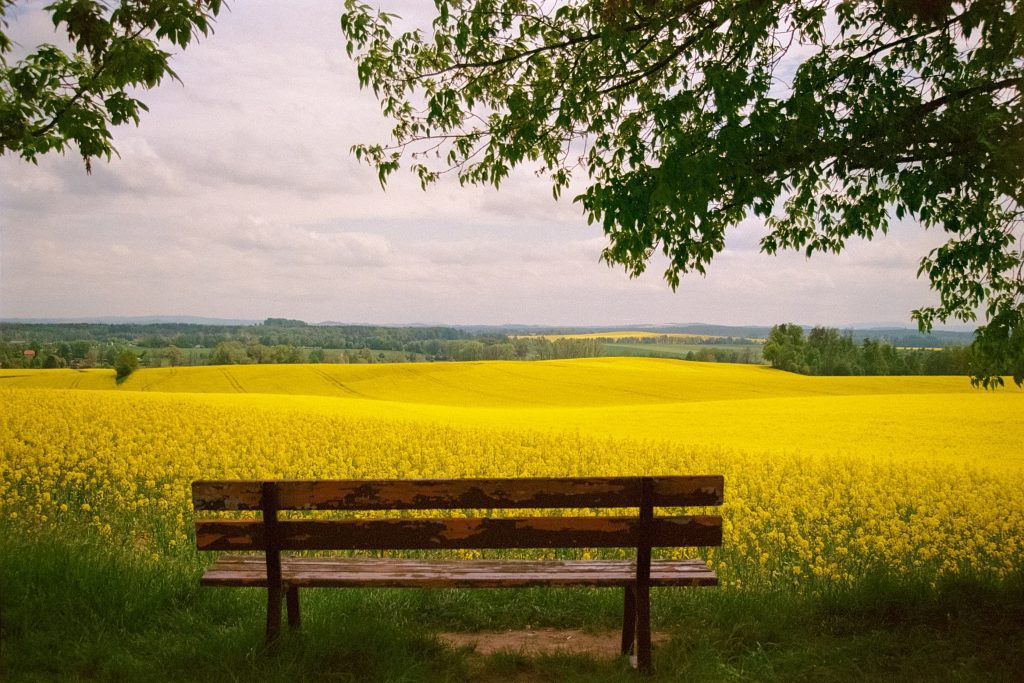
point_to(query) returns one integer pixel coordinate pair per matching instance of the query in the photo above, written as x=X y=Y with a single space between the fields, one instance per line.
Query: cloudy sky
x=237 y=197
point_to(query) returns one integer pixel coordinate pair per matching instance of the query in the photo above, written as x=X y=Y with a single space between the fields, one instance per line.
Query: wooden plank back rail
x=283 y=576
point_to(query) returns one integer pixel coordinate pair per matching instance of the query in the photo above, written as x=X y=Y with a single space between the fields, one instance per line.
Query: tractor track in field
x=338 y=383
x=233 y=382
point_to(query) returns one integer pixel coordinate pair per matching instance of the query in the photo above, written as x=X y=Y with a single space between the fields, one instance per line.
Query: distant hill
x=903 y=336
x=133 y=320
x=897 y=336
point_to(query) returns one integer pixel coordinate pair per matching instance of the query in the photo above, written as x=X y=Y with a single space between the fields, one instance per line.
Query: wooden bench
x=283 y=576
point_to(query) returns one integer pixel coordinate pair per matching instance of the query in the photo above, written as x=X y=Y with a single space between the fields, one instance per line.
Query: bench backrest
x=643 y=530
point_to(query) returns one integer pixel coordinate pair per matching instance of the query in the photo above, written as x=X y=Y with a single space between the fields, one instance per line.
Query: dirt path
x=603 y=645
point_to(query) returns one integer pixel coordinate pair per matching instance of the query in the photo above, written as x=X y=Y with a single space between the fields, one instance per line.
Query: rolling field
x=832 y=484
x=741 y=408
x=681 y=337
x=584 y=382
x=674 y=350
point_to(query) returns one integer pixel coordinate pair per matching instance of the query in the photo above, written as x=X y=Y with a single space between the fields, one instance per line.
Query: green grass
x=674 y=350
x=75 y=610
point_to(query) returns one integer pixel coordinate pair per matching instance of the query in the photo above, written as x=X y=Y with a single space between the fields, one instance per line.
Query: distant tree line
x=718 y=355
x=827 y=351
x=49 y=354
x=277 y=340
x=670 y=339
x=482 y=348
x=272 y=332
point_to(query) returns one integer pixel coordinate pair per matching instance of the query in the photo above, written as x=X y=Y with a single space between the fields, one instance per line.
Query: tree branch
x=511 y=58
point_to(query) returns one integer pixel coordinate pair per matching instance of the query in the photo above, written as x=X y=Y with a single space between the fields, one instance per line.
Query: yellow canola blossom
x=821 y=488
x=579 y=383
x=57 y=379
x=717 y=406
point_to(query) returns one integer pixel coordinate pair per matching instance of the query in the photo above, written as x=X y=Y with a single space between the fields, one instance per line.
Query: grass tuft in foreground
x=75 y=609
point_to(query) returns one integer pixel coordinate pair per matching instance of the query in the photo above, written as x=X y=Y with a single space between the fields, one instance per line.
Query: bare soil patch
x=604 y=644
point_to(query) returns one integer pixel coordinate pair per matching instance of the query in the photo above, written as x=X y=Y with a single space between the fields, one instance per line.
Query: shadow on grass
x=79 y=611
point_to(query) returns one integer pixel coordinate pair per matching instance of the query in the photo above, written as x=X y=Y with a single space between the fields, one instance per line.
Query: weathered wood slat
x=448 y=494
x=339 y=572
x=286 y=575
x=642 y=587
x=461 y=533
x=294 y=614
x=628 y=641
x=271 y=536
x=254 y=563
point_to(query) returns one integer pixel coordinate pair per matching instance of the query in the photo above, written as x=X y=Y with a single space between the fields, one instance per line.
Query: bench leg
x=643 y=628
x=629 y=620
x=292 y=598
x=273 y=613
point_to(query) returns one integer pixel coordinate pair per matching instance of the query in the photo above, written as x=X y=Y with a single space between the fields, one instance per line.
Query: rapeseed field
x=635 y=334
x=585 y=382
x=829 y=481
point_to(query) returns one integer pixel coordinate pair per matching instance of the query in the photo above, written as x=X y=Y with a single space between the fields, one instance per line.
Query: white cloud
x=237 y=197
x=282 y=244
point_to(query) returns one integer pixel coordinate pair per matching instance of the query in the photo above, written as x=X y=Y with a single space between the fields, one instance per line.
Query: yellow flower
x=868 y=487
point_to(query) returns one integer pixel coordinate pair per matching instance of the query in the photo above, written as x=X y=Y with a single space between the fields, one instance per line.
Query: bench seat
x=251 y=570
x=579 y=513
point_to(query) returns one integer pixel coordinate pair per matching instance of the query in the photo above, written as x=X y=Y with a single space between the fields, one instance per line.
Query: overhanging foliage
x=829 y=120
